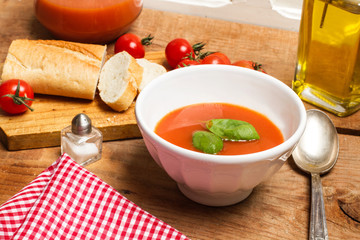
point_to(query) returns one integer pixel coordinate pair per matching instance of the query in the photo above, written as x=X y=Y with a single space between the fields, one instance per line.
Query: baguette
x=56 y=67
x=119 y=80
x=151 y=71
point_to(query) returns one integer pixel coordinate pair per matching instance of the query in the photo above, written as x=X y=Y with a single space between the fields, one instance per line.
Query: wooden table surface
x=277 y=209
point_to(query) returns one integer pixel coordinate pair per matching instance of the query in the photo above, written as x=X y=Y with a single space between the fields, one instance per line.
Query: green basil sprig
x=207 y=142
x=223 y=129
x=233 y=130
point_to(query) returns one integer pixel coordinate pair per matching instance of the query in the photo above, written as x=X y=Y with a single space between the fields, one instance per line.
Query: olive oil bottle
x=327 y=73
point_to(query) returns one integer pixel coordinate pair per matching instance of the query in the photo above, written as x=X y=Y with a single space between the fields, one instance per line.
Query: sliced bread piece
x=118 y=81
x=151 y=71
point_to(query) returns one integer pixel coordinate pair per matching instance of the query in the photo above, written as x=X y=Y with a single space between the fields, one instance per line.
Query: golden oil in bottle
x=328 y=64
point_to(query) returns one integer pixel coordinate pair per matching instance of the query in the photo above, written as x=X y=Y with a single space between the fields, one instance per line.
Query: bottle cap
x=81 y=124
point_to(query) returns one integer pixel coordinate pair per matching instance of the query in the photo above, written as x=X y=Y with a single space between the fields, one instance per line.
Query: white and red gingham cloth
x=68 y=202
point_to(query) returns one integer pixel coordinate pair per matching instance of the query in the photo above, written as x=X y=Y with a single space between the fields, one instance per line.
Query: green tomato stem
x=19 y=100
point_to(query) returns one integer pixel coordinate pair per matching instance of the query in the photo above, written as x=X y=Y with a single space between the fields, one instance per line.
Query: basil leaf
x=207 y=142
x=234 y=130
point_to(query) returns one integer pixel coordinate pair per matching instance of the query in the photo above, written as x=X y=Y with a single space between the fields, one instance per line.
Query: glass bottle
x=328 y=63
x=81 y=141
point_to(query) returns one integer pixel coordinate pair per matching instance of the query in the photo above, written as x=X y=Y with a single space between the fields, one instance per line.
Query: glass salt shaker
x=81 y=141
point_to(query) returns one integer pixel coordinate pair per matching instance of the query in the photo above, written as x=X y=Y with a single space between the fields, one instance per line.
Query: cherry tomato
x=223 y=57
x=178 y=49
x=250 y=65
x=213 y=59
x=132 y=44
x=244 y=63
x=187 y=62
x=16 y=96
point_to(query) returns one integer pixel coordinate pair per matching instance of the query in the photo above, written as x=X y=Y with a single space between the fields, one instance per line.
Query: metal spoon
x=316 y=153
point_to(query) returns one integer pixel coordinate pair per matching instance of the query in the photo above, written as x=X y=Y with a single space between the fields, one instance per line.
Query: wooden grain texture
x=42 y=127
x=277 y=209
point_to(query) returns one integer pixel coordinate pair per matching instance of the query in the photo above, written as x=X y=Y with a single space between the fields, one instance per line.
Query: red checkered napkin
x=68 y=202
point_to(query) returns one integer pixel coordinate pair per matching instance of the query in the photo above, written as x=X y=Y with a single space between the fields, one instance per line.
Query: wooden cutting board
x=42 y=127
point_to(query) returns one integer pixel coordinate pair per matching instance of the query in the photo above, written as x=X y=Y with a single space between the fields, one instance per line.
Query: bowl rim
x=268 y=154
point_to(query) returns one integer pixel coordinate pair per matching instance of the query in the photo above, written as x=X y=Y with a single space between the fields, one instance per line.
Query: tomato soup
x=90 y=21
x=178 y=126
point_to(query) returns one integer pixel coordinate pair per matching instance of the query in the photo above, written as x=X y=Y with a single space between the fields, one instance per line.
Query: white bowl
x=219 y=180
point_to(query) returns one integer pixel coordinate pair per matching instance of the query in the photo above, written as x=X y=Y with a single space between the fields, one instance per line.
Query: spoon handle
x=318 y=228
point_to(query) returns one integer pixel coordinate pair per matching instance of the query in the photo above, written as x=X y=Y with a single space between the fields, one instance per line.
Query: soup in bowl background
x=219 y=180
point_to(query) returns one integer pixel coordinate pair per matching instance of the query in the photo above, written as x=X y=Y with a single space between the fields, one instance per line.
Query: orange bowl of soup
x=178 y=105
x=89 y=21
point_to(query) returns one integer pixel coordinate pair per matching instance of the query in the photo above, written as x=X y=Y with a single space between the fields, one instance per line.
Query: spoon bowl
x=316 y=153
x=318 y=148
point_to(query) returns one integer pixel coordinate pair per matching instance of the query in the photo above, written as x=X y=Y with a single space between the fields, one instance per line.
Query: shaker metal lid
x=81 y=124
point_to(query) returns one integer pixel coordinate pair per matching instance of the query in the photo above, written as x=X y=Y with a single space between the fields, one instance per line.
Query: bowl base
x=214 y=199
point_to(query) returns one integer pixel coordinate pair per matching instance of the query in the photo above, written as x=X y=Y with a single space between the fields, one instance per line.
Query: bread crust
x=137 y=71
x=151 y=70
x=56 y=67
x=118 y=85
x=126 y=99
